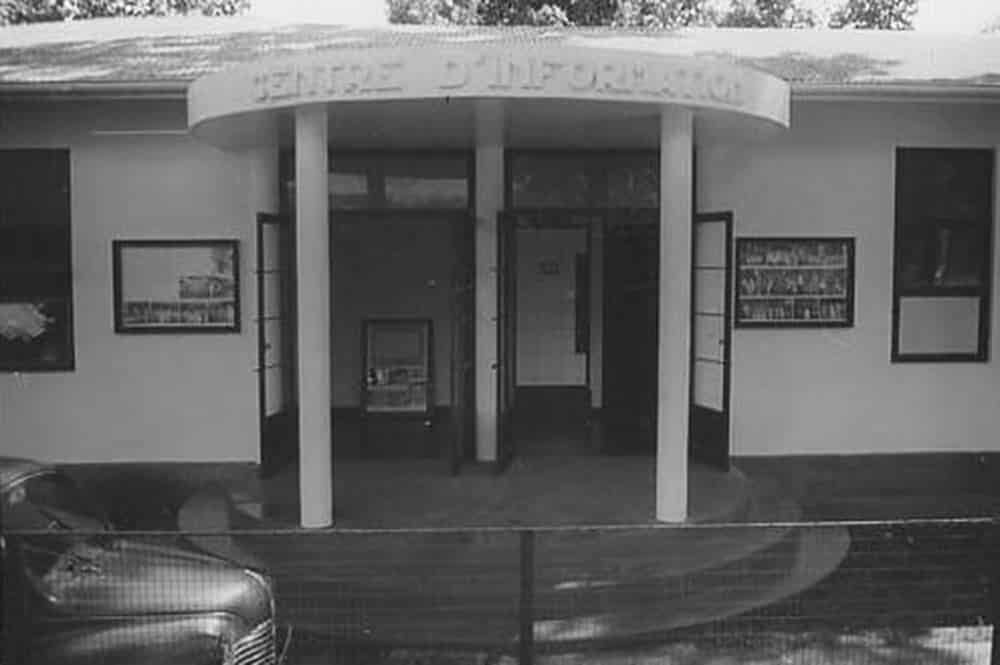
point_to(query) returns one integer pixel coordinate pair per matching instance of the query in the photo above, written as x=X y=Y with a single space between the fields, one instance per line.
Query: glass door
x=711 y=326
x=276 y=343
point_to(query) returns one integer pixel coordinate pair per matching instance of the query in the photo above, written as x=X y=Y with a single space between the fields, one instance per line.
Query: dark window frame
x=983 y=291
x=58 y=279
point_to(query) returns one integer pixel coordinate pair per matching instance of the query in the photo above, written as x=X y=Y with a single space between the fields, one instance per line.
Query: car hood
x=106 y=576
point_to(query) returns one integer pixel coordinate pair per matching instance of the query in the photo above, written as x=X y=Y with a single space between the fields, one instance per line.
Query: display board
x=397 y=366
x=795 y=282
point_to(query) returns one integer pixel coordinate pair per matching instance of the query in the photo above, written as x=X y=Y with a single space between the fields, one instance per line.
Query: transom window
x=582 y=179
x=390 y=180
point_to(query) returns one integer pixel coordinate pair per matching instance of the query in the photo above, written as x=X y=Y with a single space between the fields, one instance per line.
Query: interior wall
x=163 y=397
x=390 y=267
x=546 y=307
x=835 y=391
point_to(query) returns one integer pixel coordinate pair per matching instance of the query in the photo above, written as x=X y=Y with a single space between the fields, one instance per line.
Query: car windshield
x=50 y=501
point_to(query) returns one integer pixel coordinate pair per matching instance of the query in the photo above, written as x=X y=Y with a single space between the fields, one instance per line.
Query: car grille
x=257 y=648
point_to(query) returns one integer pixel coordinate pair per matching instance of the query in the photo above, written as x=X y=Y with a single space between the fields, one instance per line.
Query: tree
x=34 y=11
x=885 y=14
x=429 y=12
x=767 y=14
x=623 y=13
x=664 y=13
x=875 y=14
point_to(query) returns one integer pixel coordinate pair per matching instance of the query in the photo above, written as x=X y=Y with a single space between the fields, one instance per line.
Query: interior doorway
x=552 y=400
x=631 y=321
x=394 y=399
x=545 y=333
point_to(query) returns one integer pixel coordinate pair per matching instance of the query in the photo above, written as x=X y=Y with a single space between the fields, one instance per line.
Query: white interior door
x=547 y=292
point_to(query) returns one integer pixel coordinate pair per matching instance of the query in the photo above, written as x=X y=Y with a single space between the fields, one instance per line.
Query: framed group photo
x=163 y=286
x=794 y=282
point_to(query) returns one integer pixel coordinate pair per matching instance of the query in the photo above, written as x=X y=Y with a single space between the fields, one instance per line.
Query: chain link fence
x=852 y=593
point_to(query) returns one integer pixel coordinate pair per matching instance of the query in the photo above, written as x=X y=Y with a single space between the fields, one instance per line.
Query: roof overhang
x=235 y=107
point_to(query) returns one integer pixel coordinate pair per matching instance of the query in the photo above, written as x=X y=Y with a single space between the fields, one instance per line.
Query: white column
x=313 y=273
x=675 y=315
x=262 y=177
x=489 y=203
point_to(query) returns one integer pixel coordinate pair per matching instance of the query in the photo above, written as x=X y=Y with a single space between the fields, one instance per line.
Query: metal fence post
x=993 y=562
x=526 y=630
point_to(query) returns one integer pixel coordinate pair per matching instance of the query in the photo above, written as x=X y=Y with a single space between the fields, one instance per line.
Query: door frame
x=697 y=415
x=506 y=338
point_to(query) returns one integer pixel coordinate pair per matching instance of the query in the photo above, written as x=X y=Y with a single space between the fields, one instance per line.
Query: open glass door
x=276 y=343
x=711 y=315
x=506 y=337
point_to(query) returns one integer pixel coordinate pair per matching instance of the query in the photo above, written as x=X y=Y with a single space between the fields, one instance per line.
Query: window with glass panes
x=943 y=254
x=36 y=282
x=583 y=179
x=379 y=180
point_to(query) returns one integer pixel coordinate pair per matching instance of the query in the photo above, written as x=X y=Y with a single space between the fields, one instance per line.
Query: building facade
x=719 y=243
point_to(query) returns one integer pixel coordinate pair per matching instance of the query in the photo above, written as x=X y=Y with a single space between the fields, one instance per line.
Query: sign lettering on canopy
x=239 y=105
x=496 y=74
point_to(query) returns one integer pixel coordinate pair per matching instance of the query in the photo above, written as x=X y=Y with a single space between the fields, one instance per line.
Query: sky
x=963 y=16
x=966 y=16
x=956 y=15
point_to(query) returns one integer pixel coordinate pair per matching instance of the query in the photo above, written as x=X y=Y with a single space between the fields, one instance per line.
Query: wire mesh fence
x=848 y=593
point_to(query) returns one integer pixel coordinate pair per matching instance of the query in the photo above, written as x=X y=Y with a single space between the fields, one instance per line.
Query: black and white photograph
x=499 y=332
x=176 y=286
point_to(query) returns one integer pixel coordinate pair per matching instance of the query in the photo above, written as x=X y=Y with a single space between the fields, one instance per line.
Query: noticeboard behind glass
x=397 y=366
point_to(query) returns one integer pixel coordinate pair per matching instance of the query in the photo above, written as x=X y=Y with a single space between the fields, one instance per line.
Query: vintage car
x=75 y=592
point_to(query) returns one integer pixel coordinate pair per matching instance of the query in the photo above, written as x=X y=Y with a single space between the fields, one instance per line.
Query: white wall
x=137 y=397
x=835 y=391
x=546 y=307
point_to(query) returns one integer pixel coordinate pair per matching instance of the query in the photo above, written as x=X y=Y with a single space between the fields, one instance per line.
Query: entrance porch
x=495 y=102
x=543 y=491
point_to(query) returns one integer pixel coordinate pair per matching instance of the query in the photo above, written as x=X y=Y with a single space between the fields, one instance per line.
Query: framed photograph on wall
x=174 y=286
x=794 y=283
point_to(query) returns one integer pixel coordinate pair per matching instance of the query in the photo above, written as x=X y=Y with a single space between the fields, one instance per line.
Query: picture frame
x=176 y=286
x=794 y=282
x=397 y=366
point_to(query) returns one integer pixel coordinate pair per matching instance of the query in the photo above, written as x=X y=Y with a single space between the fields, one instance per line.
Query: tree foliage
x=630 y=13
x=664 y=14
x=33 y=11
x=875 y=14
x=430 y=12
x=767 y=14
x=885 y=14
